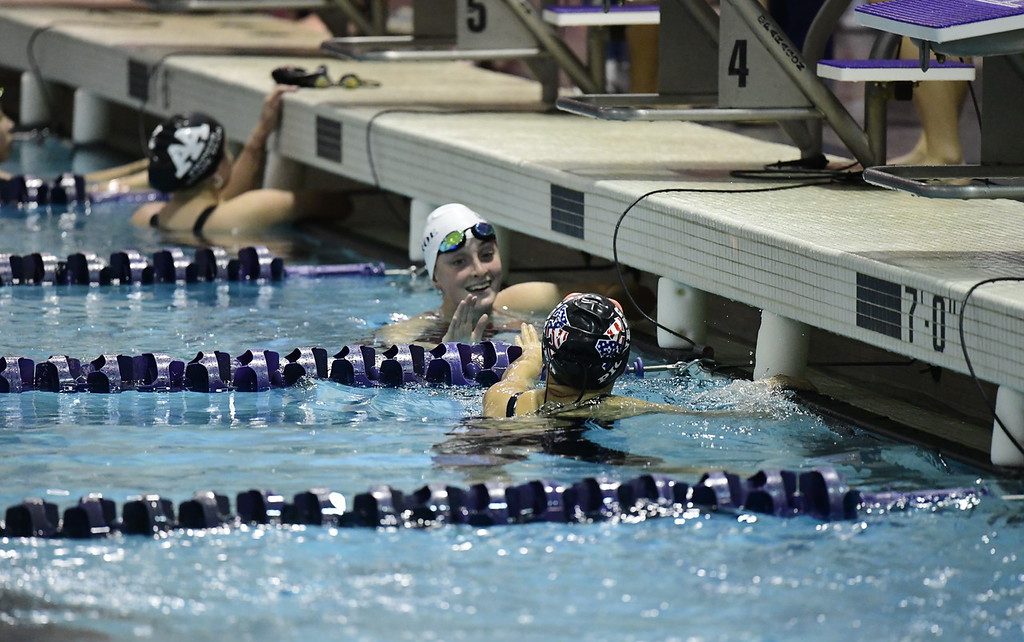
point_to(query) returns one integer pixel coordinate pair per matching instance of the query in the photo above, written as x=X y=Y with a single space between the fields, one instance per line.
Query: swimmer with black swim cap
x=209 y=191
x=585 y=348
x=184 y=150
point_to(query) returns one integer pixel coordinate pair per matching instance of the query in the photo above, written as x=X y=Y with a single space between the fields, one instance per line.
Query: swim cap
x=184 y=150
x=453 y=217
x=586 y=342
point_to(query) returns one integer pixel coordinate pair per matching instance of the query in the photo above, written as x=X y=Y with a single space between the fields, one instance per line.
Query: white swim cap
x=453 y=217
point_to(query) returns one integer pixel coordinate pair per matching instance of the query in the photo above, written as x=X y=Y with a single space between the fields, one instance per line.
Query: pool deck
x=880 y=267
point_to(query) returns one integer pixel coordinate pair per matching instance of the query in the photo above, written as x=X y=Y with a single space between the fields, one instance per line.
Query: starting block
x=992 y=28
x=474 y=30
x=736 y=65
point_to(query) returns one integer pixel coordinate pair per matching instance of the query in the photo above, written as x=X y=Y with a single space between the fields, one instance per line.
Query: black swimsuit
x=510 y=407
x=197 y=227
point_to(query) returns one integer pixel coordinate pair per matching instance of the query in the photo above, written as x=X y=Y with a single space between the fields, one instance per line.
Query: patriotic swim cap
x=586 y=342
x=184 y=150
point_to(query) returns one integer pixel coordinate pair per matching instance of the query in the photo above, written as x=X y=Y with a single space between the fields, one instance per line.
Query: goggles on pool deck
x=453 y=241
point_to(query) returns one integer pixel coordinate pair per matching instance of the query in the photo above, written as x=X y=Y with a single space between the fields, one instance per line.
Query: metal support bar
x=545 y=70
x=379 y=16
x=597 y=46
x=876 y=109
x=705 y=18
x=821 y=29
x=353 y=13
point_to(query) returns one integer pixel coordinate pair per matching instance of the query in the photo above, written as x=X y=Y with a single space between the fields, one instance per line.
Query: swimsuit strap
x=510 y=407
x=197 y=227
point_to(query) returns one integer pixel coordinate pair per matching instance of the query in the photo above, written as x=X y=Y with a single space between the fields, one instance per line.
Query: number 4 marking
x=738 y=62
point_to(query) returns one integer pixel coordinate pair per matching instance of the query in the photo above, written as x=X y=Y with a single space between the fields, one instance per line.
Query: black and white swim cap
x=586 y=342
x=184 y=150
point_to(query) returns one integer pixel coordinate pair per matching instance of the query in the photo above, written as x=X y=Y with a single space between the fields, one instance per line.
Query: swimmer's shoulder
x=532 y=297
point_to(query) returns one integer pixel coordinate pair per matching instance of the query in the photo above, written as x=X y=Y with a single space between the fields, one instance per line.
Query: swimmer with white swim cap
x=463 y=262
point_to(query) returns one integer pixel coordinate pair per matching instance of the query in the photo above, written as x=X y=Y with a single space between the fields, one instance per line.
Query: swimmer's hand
x=270 y=114
x=467 y=323
x=530 y=343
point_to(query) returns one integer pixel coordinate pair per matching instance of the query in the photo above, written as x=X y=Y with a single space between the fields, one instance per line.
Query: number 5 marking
x=477 y=16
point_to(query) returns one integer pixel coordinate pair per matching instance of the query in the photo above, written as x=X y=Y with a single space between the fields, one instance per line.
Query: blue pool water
x=952 y=573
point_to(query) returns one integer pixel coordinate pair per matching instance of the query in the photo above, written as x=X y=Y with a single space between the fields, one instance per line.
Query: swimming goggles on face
x=454 y=241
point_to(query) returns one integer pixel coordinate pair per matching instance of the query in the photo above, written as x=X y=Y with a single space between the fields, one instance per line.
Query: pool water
x=950 y=573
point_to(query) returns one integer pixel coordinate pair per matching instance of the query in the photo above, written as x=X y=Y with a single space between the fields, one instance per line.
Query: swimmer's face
x=6 y=125
x=475 y=268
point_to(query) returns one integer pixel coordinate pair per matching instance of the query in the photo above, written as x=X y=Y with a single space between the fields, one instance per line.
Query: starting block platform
x=993 y=29
x=880 y=267
x=595 y=16
x=893 y=70
x=231 y=5
x=944 y=20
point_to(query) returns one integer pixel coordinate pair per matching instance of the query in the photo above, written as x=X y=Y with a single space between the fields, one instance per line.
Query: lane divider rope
x=168 y=266
x=820 y=493
x=256 y=370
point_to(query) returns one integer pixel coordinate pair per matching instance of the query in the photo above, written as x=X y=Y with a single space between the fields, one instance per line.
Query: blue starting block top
x=893 y=70
x=595 y=16
x=945 y=20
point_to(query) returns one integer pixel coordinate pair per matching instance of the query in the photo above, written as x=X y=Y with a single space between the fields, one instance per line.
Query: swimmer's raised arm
x=519 y=379
x=245 y=172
